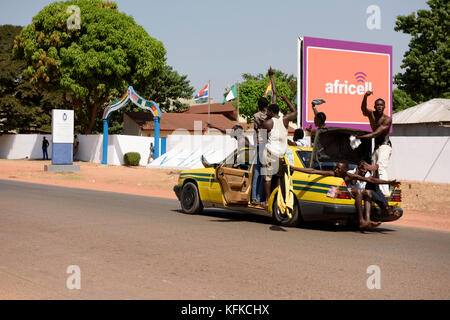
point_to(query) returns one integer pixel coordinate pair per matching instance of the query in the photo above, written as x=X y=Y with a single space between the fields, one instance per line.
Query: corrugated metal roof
x=434 y=110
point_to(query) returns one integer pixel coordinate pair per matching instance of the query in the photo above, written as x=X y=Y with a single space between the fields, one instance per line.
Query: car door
x=235 y=178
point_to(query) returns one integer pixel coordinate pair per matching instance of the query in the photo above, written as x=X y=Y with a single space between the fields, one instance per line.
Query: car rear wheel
x=190 y=199
x=283 y=218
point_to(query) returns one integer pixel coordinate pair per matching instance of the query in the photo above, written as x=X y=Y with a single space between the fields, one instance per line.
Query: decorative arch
x=132 y=96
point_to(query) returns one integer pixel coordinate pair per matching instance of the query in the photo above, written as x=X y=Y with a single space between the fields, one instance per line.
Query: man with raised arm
x=277 y=132
x=342 y=171
x=380 y=124
x=237 y=132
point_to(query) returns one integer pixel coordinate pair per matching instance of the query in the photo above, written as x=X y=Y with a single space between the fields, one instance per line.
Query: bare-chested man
x=380 y=124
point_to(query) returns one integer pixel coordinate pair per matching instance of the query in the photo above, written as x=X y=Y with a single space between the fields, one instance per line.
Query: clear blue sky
x=220 y=40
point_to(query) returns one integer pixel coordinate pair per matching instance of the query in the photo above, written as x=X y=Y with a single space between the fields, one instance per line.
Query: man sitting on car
x=341 y=170
x=373 y=190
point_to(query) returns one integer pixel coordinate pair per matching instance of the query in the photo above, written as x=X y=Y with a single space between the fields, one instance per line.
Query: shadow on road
x=236 y=216
x=330 y=226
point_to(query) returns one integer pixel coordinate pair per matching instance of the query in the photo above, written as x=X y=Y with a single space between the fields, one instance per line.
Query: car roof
x=301 y=148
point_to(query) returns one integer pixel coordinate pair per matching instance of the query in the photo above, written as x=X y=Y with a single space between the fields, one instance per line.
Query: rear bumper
x=177 y=190
x=316 y=211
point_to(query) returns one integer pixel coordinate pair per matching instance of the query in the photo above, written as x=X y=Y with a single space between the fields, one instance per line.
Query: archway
x=132 y=96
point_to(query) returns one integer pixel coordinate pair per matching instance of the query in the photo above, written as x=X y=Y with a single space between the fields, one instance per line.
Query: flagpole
x=238 y=101
x=209 y=100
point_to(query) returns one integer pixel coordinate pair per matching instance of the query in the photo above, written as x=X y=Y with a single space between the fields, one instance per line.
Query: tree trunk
x=93 y=109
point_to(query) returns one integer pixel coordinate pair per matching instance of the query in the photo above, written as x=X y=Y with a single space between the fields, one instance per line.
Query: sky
x=221 y=40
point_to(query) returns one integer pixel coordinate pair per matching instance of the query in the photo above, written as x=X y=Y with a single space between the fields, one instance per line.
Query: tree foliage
x=427 y=62
x=22 y=105
x=167 y=88
x=94 y=64
x=401 y=100
x=253 y=87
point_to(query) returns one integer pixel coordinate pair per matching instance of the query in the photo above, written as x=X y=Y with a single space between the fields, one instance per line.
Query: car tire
x=283 y=219
x=190 y=199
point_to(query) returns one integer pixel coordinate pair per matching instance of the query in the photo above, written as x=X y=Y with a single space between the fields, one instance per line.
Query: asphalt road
x=135 y=247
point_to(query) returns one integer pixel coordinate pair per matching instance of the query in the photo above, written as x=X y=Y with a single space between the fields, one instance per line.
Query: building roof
x=215 y=108
x=173 y=121
x=435 y=110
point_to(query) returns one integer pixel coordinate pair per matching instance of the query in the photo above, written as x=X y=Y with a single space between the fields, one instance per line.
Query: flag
x=231 y=95
x=203 y=95
x=268 y=89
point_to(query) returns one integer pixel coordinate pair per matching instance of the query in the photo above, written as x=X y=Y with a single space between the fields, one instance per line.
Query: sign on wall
x=62 y=126
x=340 y=72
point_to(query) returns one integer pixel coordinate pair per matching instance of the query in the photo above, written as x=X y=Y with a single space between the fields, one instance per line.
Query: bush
x=132 y=158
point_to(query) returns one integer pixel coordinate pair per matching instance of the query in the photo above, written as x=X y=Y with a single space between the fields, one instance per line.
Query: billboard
x=340 y=72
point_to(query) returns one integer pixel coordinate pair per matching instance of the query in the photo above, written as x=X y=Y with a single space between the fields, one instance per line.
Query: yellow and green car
x=228 y=184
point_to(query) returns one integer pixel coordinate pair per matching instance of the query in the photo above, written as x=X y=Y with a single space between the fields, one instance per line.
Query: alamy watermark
x=374 y=281
x=74 y=280
x=74 y=20
x=374 y=20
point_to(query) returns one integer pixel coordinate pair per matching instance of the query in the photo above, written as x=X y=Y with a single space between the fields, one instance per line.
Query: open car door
x=235 y=177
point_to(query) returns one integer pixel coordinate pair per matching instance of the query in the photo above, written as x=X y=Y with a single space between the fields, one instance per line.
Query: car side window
x=241 y=160
x=305 y=157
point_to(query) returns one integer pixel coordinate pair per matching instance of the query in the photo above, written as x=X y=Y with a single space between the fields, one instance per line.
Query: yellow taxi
x=228 y=184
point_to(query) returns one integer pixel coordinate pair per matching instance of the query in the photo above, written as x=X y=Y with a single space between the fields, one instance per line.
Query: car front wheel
x=283 y=218
x=190 y=199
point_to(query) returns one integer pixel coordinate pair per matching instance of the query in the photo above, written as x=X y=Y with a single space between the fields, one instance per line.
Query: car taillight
x=396 y=196
x=342 y=193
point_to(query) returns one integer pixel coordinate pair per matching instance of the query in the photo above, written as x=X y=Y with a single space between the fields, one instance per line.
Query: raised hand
x=368 y=93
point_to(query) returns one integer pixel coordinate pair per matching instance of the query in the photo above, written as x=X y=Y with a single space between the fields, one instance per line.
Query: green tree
x=22 y=105
x=253 y=87
x=427 y=62
x=93 y=64
x=401 y=100
x=167 y=88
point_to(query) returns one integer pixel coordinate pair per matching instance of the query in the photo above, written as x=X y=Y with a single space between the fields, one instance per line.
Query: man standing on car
x=380 y=124
x=260 y=138
x=319 y=119
x=276 y=146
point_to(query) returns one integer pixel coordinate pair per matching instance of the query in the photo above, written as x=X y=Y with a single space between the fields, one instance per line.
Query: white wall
x=420 y=158
x=21 y=146
x=91 y=148
x=185 y=151
x=413 y=158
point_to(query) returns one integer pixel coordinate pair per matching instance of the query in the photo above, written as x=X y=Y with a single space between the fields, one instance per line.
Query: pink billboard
x=340 y=72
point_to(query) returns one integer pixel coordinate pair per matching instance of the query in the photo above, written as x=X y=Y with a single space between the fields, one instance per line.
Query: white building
x=420 y=142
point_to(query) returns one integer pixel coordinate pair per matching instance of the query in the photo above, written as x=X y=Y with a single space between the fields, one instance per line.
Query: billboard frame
x=302 y=66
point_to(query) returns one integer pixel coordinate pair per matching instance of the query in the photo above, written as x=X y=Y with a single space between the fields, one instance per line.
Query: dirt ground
x=425 y=205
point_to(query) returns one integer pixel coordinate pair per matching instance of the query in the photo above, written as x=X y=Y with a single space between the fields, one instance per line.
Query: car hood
x=333 y=145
